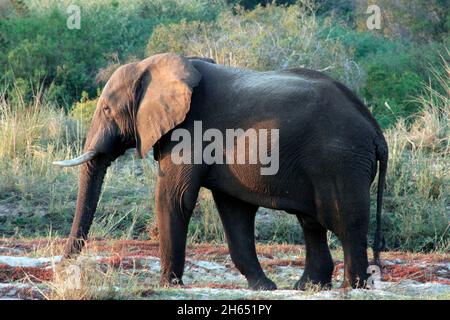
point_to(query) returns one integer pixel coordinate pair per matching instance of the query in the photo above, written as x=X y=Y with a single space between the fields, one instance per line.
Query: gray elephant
x=327 y=142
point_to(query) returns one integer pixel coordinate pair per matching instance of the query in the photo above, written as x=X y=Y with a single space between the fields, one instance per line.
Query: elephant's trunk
x=91 y=178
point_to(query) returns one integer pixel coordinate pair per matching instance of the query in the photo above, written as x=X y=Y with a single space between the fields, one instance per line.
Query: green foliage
x=39 y=48
x=395 y=70
x=344 y=10
x=251 y=4
x=386 y=71
x=395 y=76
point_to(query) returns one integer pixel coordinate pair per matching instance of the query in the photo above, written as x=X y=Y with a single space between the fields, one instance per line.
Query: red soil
x=214 y=285
x=124 y=263
x=397 y=272
x=9 y=274
x=283 y=262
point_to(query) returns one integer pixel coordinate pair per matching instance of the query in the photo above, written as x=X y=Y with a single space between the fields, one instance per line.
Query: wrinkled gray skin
x=329 y=148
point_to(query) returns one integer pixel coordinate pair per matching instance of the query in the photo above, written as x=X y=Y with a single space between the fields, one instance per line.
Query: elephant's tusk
x=85 y=157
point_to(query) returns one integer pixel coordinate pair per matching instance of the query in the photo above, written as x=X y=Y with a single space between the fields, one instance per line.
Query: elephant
x=329 y=147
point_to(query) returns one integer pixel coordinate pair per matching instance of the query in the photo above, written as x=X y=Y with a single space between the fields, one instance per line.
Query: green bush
x=396 y=76
x=38 y=48
x=395 y=71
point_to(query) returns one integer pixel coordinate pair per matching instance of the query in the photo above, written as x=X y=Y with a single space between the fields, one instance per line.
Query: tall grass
x=31 y=189
x=418 y=194
x=37 y=197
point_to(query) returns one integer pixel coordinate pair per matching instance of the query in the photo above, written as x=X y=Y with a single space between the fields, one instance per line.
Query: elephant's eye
x=107 y=111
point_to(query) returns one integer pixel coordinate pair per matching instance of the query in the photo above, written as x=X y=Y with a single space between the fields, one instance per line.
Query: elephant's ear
x=164 y=93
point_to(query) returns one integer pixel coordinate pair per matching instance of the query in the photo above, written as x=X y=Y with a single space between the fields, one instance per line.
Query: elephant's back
x=303 y=104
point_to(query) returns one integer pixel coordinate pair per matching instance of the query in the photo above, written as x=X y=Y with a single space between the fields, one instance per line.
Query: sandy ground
x=27 y=271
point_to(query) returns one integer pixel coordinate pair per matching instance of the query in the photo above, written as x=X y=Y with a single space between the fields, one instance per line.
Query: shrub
x=83 y=111
x=266 y=38
x=251 y=4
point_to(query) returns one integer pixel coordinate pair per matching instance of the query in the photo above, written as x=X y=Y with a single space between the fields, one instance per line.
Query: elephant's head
x=139 y=104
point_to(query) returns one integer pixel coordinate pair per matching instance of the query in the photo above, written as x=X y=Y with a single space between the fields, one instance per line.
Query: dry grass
x=418 y=194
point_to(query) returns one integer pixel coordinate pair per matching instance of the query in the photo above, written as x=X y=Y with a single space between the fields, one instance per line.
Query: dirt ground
x=28 y=271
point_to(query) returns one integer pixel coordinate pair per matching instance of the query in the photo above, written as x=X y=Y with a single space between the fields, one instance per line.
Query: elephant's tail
x=382 y=157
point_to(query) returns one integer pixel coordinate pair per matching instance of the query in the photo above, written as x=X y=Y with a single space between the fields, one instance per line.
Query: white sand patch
x=27 y=261
x=416 y=289
x=151 y=263
x=201 y=271
x=16 y=291
x=207 y=265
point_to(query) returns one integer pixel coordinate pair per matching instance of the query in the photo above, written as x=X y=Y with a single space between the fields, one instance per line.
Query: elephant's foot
x=307 y=282
x=72 y=248
x=262 y=283
x=355 y=264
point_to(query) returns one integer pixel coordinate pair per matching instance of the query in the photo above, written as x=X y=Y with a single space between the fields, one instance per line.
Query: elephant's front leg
x=176 y=195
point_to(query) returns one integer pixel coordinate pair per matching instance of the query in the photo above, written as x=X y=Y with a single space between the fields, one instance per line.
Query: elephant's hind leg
x=238 y=220
x=319 y=264
x=353 y=236
x=345 y=206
